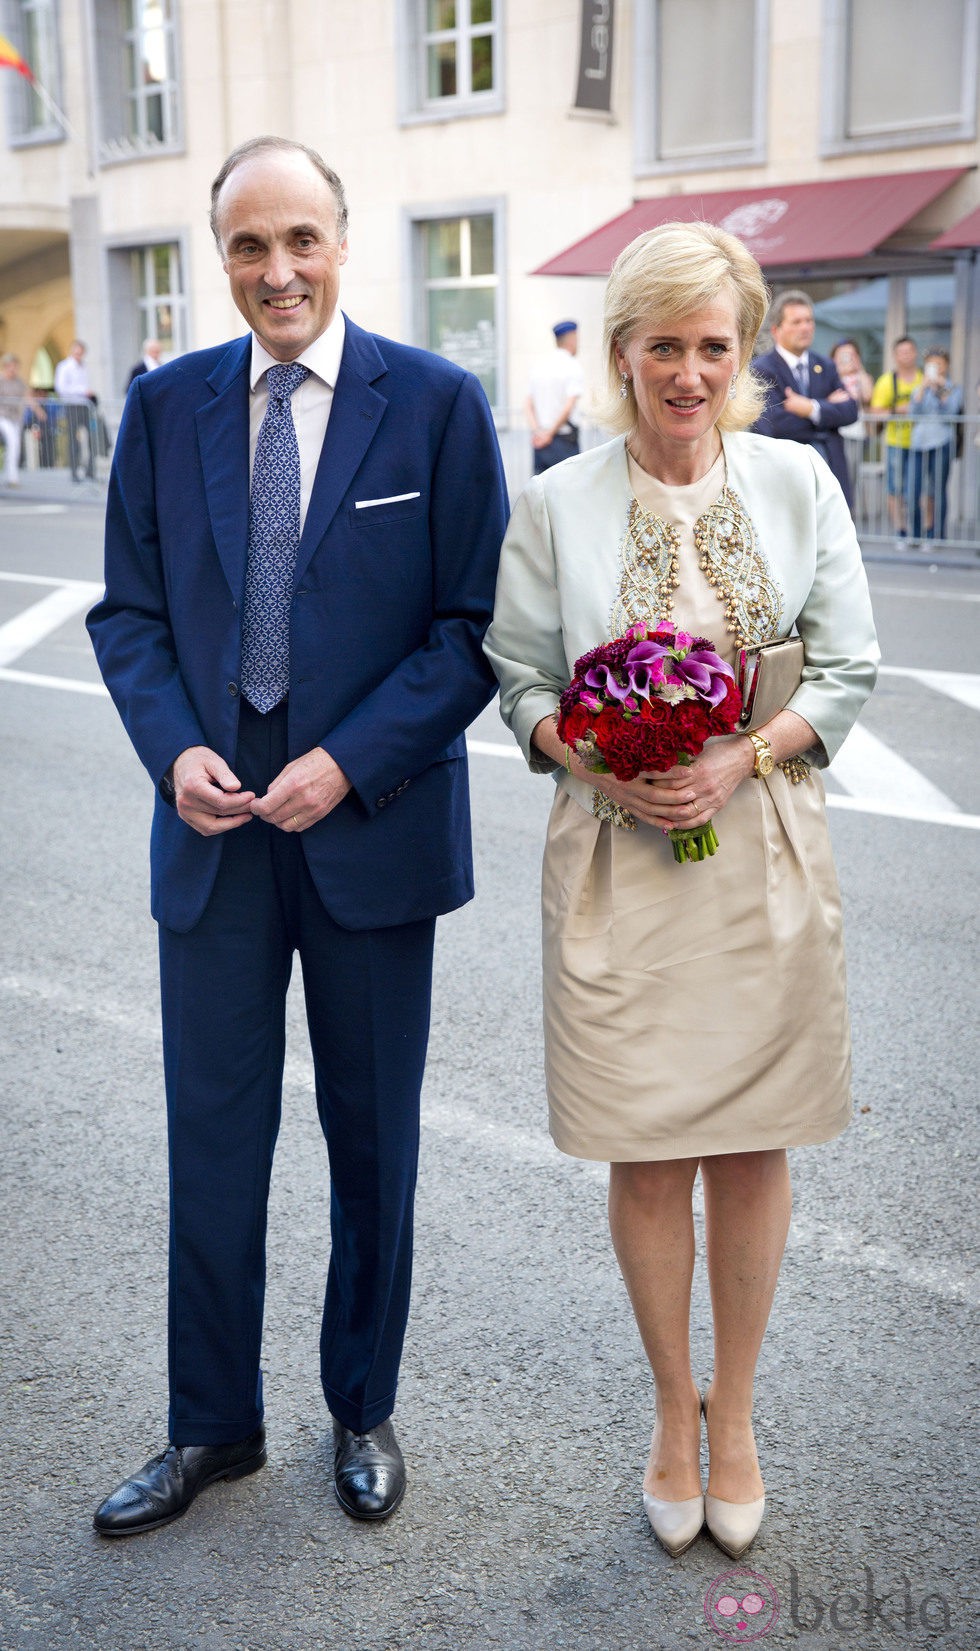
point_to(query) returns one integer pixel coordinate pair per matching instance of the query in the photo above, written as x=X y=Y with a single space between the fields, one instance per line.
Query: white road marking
x=875 y=779
x=896 y=808
x=33 y=510
x=72 y=685
x=488 y=748
x=31 y=626
x=867 y=767
x=924 y=595
x=901 y=811
x=960 y=685
x=48 y=579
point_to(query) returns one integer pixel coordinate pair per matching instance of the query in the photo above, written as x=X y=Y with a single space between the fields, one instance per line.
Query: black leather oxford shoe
x=168 y=1484
x=369 y=1471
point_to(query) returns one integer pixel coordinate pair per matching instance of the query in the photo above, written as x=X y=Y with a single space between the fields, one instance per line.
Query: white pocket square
x=393 y=498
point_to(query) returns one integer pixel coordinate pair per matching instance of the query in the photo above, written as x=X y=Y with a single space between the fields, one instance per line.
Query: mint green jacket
x=560 y=570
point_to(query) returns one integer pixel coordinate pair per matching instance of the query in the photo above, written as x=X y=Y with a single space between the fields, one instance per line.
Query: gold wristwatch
x=764 y=763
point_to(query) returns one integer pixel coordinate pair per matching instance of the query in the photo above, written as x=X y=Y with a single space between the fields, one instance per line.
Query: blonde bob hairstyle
x=666 y=274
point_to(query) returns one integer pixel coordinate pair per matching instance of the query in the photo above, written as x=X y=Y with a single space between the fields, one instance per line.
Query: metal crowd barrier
x=884 y=510
x=71 y=436
x=876 y=519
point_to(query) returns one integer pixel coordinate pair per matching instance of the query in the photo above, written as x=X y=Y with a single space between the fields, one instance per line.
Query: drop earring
x=733 y=387
x=623 y=382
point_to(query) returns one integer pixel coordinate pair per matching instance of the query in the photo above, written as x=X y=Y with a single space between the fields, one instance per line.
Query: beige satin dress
x=695 y=1009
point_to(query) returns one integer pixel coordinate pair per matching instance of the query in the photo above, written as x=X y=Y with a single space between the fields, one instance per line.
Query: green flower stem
x=693 y=843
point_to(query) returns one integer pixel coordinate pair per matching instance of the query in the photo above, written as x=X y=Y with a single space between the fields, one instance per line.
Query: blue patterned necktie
x=273 y=538
x=802 y=378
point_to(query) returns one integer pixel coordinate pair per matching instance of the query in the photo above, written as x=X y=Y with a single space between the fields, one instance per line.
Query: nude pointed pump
x=734 y=1525
x=674 y=1524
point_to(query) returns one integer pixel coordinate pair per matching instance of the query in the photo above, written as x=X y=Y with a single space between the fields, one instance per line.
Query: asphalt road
x=525 y=1404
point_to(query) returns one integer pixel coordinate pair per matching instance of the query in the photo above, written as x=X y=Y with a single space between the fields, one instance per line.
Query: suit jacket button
x=233 y=689
x=381 y=802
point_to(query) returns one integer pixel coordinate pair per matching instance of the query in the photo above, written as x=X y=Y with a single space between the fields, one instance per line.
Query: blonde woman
x=695 y=1015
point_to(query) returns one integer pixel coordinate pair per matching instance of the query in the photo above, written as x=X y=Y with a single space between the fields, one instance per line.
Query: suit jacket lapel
x=355 y=418
x=222 y=433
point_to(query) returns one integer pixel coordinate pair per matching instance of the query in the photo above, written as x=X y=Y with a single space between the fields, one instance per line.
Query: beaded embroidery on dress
x=735 y=566
x=729 y=555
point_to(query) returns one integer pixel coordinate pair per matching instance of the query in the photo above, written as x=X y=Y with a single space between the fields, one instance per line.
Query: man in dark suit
x=806 y=400
x=148 y=362
x=301 y=546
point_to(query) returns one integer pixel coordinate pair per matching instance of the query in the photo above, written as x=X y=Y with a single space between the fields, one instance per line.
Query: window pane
x=154 y=116
x=441 y=14
x=481 y=63
x=131 y=66
x=481 y=11
x=705 y=76
x=442 y=238
x=164 y=327
x=154 y=58
x=460 y=325
x=442 y=70
x=906 y=64
x=481 y=245
x=161 y=269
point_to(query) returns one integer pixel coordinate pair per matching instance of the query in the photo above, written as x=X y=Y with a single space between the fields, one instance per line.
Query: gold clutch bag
x=768 y=677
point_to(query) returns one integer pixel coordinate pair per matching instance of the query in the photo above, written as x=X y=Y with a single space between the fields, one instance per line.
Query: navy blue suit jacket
x=825 y=436
x=390 y=604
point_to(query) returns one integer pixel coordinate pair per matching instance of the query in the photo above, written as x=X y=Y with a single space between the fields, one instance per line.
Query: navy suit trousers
x=223 y=988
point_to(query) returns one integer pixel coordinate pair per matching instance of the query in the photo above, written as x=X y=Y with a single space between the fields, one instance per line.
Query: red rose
x=574 y=724
x=655 y=712
x=724 y=717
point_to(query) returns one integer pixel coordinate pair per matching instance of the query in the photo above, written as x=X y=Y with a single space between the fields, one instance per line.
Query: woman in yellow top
x=891 y=395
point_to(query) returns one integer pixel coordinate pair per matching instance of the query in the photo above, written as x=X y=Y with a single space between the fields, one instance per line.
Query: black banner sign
x=595 y=56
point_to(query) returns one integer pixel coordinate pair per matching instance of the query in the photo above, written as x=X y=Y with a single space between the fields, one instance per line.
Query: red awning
x=964 y=234
x=799 y=223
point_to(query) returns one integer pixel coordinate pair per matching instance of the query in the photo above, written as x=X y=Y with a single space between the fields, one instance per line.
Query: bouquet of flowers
x=648 y=701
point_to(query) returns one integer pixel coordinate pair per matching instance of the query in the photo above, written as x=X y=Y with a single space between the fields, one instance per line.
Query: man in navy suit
x=806 y=400
x=301 y=547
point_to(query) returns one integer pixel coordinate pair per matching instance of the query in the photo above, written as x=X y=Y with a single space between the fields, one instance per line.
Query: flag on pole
x=10 y=58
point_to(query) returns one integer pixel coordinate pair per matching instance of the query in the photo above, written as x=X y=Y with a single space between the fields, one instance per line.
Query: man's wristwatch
x=764 y=763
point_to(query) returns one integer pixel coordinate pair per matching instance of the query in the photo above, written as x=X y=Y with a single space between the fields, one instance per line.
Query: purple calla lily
x=649 y=665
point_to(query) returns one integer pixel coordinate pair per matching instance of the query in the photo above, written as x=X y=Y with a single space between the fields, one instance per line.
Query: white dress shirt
x=794 y=361
x=311 y=401
x=71 y=381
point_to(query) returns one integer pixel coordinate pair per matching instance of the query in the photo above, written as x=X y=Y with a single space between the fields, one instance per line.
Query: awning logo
x=753 y=218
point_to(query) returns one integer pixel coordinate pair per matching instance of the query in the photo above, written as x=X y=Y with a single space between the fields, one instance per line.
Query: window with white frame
x=139 y=93
x=148 y=296
x=33 y=28
x=701 y=83
x=452 y=51
x=458 y=294
x=898 y=73
x=158 y=286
